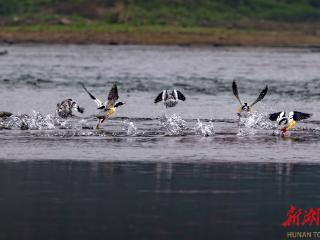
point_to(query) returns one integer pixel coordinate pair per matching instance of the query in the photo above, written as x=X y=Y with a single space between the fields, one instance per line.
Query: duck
x=286 y=123
x=245 y=109
x=4 y=114
x=170 y=99
x=109 y=107
x=65 y=108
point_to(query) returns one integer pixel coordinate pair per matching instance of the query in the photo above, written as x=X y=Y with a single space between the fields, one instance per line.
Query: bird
x=109 y=107
x=286 y=123
x=245 y=109
x=170 y=99
x=66 y=107
x=5 y=114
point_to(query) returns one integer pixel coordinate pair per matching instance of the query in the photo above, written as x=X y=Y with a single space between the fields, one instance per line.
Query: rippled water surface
x=191 y=155
x=34 y=78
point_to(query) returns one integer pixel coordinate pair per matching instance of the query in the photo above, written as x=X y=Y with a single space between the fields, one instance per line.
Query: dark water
x=152 y=173
x=91 y=200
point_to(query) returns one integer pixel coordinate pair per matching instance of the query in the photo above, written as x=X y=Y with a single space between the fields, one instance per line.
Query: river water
x=183 y=173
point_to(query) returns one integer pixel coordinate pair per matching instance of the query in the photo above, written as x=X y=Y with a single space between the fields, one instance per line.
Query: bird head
x=118 y=104
x=245 y=107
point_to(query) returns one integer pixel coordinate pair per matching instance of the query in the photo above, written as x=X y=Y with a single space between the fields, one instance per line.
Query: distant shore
x=156 y=36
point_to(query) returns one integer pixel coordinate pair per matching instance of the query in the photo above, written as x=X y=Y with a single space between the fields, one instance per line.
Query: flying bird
x=286 y=123
x=107 y=108
x=170 y=99
x=66 y=107
x=244 y=108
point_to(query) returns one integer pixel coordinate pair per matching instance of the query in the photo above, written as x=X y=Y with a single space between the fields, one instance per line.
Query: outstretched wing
x=297 y=116
x=112 y=96
x=158 y=98
x=181 y=96
x=274 y=116
x=261 y=96
x=235 y=91
x=97 y=101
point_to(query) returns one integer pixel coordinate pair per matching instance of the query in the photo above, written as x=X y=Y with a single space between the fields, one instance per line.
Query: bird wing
x=297 y=116
x=112 y=96
x=161 y=96
x=97 y=101
x=158 y=98
x=235 y=91
x=181 y=96
x=261 y=96
x=274 y=116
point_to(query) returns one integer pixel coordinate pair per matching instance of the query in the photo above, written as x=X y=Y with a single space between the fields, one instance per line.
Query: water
x=151 y=172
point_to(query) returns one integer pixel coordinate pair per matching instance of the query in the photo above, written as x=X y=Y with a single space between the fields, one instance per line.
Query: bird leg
x=284 y=132
x=98 y=125
x=100 y=121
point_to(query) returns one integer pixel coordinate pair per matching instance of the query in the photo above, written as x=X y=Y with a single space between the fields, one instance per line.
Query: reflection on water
x=91 y=200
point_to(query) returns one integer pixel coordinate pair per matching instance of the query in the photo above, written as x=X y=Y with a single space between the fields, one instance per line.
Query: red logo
x=300 y=217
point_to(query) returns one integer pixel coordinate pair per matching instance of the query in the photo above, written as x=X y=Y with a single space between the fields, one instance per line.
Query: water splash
x=34 y=121
x=204 y=129
x=173 y=124
x=256 y=120
x=248 y=126
x=246 y=132
x=37 y=121
x=276 y=133
x=83 y=124
x=130 y=128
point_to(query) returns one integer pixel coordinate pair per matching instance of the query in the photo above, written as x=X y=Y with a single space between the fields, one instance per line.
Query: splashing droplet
x=130 y=128
x=256 y=120
x=173 y=124
x=204 y=129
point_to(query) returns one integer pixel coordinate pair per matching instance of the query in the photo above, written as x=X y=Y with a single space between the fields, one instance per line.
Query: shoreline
x=158 y=36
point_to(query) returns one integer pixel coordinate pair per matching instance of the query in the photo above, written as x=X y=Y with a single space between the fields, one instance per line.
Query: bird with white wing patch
x=170 y=99
x=286 y=123
x=245 y=109
x=109 y=107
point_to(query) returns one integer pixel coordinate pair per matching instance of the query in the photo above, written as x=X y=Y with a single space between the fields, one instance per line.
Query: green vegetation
x=185 y=22
x=185 y=13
